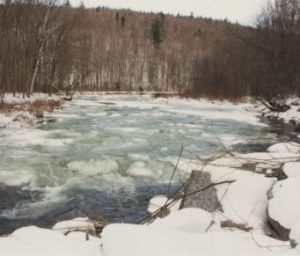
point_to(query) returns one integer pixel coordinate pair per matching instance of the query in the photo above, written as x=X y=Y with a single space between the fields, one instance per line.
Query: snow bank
x=77 y=224
x=268 y=159
x=134 y=240
x=186 y=220
x=290 y=116
x=245 y=201
x=292 y=169
x=288 y=147
x=284 y=207
x=159 y=201
x=20 y=116
x=295 y=233
x=33 y=241
x=18 y=98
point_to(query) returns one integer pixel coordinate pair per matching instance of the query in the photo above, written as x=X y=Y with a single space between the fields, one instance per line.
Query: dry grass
x=37 y=107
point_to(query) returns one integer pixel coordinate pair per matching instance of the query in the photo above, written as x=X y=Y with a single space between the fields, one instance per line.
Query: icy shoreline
x=290 y=116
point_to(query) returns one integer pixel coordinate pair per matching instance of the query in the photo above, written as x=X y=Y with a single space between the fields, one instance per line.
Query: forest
x=49 y=46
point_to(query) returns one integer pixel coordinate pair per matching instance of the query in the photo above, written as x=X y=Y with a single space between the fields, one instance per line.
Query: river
x=107 y=155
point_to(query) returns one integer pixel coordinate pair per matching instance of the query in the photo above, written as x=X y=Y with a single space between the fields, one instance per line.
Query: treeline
x=38 y=46
x=263 y=62
x=48 y=46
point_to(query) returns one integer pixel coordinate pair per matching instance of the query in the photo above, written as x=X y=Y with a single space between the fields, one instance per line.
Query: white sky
x=242 y=11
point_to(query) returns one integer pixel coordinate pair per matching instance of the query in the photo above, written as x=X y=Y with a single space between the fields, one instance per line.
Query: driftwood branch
x=178 y=197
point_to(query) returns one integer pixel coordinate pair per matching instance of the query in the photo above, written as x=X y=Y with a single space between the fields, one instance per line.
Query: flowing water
x=108 y=155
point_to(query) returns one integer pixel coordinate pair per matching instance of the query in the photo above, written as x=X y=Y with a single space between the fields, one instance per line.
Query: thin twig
x=175 y=168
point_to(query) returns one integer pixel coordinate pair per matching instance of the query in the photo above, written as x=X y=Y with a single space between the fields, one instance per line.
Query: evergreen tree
x=123 y=20
x=157 y=30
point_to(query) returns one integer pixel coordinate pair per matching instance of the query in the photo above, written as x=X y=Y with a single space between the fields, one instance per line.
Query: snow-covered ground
x=18 y=98
x=292 y=115
x=19 y=115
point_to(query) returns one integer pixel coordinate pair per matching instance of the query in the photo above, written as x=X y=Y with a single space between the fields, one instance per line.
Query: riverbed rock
x=283 y=207
x=277 y=173
x=207 y=199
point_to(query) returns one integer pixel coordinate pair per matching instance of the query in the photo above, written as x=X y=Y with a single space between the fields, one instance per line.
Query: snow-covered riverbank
x=290 y=116
x=18 y=111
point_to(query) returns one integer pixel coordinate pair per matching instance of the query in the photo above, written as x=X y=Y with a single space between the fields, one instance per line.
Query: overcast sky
x=243 y=11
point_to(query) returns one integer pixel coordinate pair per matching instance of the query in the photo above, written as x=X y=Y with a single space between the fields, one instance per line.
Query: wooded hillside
x=49 y=47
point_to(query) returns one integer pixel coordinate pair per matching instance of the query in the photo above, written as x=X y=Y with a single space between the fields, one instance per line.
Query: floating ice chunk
x=86 y=103
x=140 y=141
x=288 y=147
x=94 y=167
x=230 y=140
x=16 y=178
x=98 y=114
x=137 y=157
x=137 y=104
x=28 y=137
x=115 y=115
x=164 y=149
x=125 y=129
x=139 y=169
x=184 y=165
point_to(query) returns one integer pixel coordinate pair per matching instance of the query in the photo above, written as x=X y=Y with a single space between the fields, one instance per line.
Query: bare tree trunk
x=41 y=50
